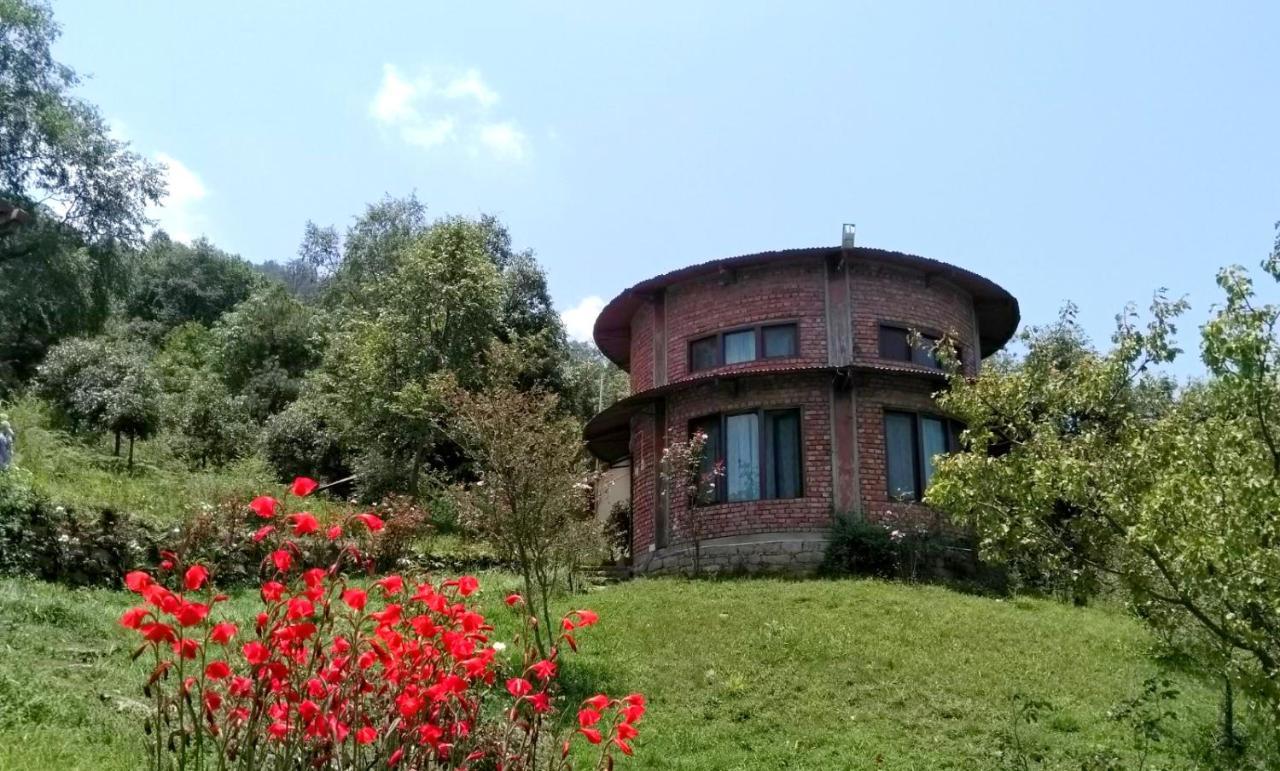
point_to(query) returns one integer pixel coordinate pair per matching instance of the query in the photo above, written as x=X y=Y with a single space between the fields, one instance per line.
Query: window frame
x=951 y=433
x=930 y=335
x=764 y=453
x=758 y=331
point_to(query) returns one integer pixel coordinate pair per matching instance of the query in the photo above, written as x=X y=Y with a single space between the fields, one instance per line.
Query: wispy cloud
x=438 y=108
x=178 y=213
x=581 y=318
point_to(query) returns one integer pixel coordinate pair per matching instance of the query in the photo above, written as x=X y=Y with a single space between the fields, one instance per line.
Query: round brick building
x=800 y=367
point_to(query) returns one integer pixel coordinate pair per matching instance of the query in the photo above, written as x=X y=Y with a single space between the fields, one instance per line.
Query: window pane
x=742 y=457
x=925 y=353
x=702 y=353
x=900 y=455
x=784 y=431
x=894 y=345
x=711 y=455
x=934 y=439
x=780 y=340
x=740 y=346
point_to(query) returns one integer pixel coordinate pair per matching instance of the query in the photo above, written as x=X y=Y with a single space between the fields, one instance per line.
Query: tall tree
x=176 y=283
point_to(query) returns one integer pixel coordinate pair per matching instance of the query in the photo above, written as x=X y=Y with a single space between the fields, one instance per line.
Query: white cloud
x=581 y=318
x=504 y=141
x=441 y=107
x=178 y=212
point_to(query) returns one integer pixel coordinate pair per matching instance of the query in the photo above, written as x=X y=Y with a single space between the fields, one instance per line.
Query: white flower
x=499 y=646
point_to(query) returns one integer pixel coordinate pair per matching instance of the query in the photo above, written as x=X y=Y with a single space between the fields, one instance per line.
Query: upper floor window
x=895 y=343
x=912 y=443
x=759 y=452
x=768 y=341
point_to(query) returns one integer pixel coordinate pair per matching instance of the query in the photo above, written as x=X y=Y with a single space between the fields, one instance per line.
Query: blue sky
x=1087 y=151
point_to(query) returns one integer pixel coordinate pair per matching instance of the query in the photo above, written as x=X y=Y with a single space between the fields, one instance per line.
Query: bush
x=300 y=441
x=862 y=548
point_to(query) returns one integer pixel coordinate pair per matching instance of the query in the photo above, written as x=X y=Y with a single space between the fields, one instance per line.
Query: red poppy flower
x=282 y=559
x=264 y=506
x=367 y=735
x=371 y=521
x=355 y=598
x=518 y=686
x=138 y=580
x=195 y=577
x=544 y=669
x=133 y=618
x=513 y=599
x=255 y=652
x=272 y=591
x=216 y=670
x=303 y=486
x=334 y=532
x=191 y=613
x=391 y=584
x=304 y=523
x=314 y=577
x=592 y=735
x=300 y=607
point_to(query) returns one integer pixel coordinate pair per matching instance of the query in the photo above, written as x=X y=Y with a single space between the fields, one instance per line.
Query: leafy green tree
x=302 y=440
x=210 y=426
x=187 y=353
x=175 y=283
x=1091 y=464
x=58 y=160
x=589 y=381
x=265 y=346
x=133 y=405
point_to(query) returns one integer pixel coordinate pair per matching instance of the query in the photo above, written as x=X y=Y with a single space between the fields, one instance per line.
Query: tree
x=1097 y=465
x=265 y=346
x=589 y=381
x=531 y=487
x=58 y=160
x=688 y=481
x=133 y=405
x=175 y=283
x=210 y=426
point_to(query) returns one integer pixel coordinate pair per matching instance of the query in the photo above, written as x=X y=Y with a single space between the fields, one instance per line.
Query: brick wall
x=643 y=483
x=792 y=291
x=884 y=293
x=642 y=348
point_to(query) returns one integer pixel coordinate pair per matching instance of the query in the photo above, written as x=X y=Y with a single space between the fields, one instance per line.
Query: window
x=895 y=343
x=779 y=341
x=772 y=341
x=760 y=451
x=912 y=444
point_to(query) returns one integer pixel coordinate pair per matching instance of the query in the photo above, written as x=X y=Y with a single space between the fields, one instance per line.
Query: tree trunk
x=117 y=450
x=1230 y=739
x=129 y=465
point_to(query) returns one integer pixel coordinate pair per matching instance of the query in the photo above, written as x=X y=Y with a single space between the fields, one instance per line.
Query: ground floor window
x=759 y=450
x=912 y=443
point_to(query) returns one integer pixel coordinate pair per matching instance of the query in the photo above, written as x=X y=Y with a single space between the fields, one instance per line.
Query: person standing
x=6 y=444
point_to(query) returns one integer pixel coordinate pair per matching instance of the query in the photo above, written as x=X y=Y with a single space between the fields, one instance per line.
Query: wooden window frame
x=952 y=429
x=764 y=452
x=758 y=329
x=931 y=335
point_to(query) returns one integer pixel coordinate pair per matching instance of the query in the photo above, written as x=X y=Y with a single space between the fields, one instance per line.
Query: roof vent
x=846 y=237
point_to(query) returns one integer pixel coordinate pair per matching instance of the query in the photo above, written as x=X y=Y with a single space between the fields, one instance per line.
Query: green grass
x=160 y=490
x=749 y=674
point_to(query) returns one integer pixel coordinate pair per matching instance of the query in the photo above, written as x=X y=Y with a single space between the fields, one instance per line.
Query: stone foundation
x=790 y=553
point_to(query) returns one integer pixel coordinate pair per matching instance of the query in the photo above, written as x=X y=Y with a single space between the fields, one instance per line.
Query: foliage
x=210 y=427
x=1085 y=469
x=861 y=548
x=531 y=486
x=335 y=675
x=301 y=441
x=58 y=159
x=175 y=283
x=686 y=482
x=619 y=530
x=591 y=382
x=264 y=347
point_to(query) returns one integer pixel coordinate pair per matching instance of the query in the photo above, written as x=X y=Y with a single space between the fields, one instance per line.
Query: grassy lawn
x=749 y=674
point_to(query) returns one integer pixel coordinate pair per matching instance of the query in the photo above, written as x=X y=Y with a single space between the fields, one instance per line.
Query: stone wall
x=799 y=553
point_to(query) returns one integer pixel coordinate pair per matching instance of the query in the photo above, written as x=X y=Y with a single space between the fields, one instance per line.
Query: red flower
x=263 y=532
x=391 y=584
x=367 y=735
x=587 y=717
x=264 y=506
x=186 y=648
x=355 y=598
x=626 y=731
x=157 y=632
x=541 y=702
x=255 y=652
x=191 y=613
x=278 y=729
x=303 y=486
x=212 y=701
x=597 y=702
x=138 y=580
x=272 y=591
x=518 y=686
x=592 y=735
x=282 y=560
x=195 y=577
x=216 y=670
x=371 y=521
x=300 y=607
x=467 y=585
x=133 y=618
x=334 y=532
x=626 y=748
x=304 y=523
x=394 y=759
x=544 y=669
x=513 y=600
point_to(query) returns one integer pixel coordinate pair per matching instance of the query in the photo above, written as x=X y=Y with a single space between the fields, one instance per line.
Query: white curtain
x=742 y=457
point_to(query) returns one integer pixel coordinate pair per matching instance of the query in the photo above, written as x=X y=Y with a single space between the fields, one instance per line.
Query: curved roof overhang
x=996 y=309
x=608 y=434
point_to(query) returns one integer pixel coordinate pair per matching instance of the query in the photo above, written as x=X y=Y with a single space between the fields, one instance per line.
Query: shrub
x=334 y=674
x=858 y=547
x=861 y=548
x=299 y=441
